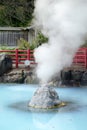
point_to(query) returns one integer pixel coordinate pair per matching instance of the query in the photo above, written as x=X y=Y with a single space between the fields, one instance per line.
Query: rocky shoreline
x=27 y=75
x=68 y=77
x=20 y=75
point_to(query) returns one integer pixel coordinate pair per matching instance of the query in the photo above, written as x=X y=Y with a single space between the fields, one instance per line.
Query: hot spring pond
x=15 y=115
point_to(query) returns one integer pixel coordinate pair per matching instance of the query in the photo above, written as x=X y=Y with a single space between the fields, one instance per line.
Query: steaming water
x=64 y=22
x=14 y=117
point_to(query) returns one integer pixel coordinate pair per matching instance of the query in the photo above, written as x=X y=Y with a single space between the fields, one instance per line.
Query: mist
x=64 y=22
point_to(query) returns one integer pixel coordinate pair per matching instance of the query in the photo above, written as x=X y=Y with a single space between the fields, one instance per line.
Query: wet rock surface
x=19 y=75
x=45 y=97
x=68 y=78
x=74 y=77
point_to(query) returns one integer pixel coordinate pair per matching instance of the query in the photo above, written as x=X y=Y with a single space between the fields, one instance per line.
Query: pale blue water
x=13 y=116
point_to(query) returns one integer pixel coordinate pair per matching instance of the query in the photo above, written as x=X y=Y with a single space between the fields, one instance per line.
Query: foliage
x=7 y=48
x=40 y=39
x=23 y=44
x=32 y=46
x=85 y=44
x=16 y=12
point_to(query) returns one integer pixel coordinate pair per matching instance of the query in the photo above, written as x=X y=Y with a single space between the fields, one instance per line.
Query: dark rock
x=5 y=64
x=72 y=77
x=77 y=75
x=66 y=77
x=84 y=78
x=20 y=78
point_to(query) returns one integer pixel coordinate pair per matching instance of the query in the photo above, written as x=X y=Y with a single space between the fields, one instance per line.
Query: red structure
x=80 y=58
x=19 y=56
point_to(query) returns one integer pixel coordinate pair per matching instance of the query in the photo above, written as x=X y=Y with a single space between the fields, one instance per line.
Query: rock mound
x=45 y=97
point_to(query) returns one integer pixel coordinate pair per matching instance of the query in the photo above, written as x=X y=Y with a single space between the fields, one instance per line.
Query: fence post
x=16 y=58
x=86 y=57
x=28 y=54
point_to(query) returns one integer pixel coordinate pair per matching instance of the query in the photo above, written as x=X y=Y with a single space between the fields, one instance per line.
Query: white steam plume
x=65 y=24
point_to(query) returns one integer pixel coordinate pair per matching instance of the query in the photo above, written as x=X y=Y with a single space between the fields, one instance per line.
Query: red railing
x=80 y=58
x=19 y=57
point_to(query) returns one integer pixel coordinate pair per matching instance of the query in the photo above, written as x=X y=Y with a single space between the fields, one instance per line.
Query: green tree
x=16 y=12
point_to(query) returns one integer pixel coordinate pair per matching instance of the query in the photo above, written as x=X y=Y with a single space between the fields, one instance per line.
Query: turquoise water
x=15 y=115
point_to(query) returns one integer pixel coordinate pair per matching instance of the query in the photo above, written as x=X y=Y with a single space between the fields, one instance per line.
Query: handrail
x=19 y=56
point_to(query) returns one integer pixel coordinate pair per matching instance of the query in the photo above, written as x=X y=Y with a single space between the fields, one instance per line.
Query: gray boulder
x=5 y=64
x=45 y=97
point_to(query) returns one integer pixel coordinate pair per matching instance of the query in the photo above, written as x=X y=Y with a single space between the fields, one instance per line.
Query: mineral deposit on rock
x=45 y=97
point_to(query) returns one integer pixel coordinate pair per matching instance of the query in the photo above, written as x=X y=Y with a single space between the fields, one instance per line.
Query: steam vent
x=45 y=97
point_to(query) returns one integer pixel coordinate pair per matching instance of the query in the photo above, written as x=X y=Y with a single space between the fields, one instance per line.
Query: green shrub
x=7 y=48
x=41 y=38
x=23 y=44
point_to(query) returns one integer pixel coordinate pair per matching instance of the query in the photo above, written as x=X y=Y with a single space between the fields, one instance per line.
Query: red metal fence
x=80 y=58
x=19 y=57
